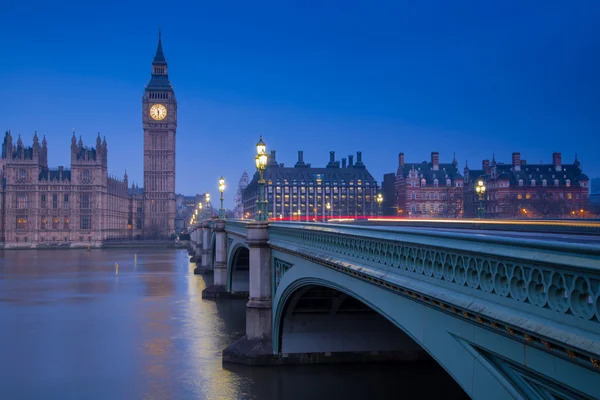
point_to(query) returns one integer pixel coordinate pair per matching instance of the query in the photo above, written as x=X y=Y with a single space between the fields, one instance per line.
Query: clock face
x=158 y=112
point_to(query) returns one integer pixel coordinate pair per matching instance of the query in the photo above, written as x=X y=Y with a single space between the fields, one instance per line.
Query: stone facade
x=159 y=117
x=302 y=192
x=84 y=205
x=522 y=190
x=429 y=189
x=81 y=206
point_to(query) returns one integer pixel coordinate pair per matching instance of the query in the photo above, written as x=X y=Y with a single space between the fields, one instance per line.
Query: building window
x=66 y=201
x=448 y=182
x=66 y=223
x=527 y=196
x=85 y=176
x=520 y=182
x=54 y=201
x=22 y=176
x=568 y=182
x=544 y=182
x=84 y=201
x=423 y=182
x=21 y=222
x=435 y=182
x=519 y=196
x=55 y=223
x=43 y=201
x=533 y=182
x=22 y=201
x=43 y=223
x=569 y=196
x=85 y=222
x=556 y=182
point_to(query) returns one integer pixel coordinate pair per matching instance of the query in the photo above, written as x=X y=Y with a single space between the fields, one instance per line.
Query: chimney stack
x=359 y=157
x=343 y=163
x=557 y=161
x=272 y=159
x=516 y=161
x=485 y=165
x=331 y=157
x=401 y=159
x=350 y=160
x=435 y=160
x=300 y=162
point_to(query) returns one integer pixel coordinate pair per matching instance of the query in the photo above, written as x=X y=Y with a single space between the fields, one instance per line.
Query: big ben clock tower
x=159 y=118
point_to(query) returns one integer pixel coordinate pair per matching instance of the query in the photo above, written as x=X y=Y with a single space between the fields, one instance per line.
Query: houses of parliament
x=83 y=205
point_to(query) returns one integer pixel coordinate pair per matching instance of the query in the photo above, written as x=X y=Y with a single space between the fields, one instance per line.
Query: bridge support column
x=198 y=251
x=193 y=244
x=205 y=267
x=218 y=288
x=257 y=344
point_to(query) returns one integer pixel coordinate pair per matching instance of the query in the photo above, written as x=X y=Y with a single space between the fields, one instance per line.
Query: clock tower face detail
x=159 y=118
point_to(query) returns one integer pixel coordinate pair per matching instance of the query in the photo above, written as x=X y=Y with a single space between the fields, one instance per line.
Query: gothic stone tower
x=159 y=117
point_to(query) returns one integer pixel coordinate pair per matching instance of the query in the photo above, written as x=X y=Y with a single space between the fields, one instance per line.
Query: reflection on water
x=71 y=328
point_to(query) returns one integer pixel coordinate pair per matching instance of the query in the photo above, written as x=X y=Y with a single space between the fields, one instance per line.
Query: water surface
x=71 y=328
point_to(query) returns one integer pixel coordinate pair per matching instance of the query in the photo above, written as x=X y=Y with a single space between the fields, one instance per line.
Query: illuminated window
x=528 y=196
x=519 y=196
x=569 y=196
x=66 y=223
x=21 y=222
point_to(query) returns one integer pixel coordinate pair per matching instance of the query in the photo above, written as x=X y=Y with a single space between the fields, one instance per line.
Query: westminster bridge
x=506 y=308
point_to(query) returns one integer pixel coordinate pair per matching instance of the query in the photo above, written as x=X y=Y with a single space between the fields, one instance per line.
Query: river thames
x=71 y=328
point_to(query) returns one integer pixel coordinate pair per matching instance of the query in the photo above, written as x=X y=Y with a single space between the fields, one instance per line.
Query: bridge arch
x=486 y=364
x=238 y=268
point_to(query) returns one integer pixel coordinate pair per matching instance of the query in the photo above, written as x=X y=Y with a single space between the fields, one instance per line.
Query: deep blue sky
x=382 y=77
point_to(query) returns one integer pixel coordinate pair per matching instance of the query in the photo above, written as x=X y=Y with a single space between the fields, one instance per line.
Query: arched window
x=556 y=182
x=423 y=183
x=533 y=182
x=435 y=182
x=544 y=182
x=520 y=182
x=568 y=182
x=448 y=182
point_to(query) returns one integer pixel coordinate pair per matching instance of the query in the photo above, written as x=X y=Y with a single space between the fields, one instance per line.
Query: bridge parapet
x=237 y=227
x=484 y=275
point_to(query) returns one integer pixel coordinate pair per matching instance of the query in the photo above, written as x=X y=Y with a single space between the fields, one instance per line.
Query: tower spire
x=159 y=57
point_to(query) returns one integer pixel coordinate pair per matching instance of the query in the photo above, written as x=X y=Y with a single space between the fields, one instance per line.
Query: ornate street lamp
x=221 y=189
x=261 y=164
x=379 y=200
x=328 y=207
x=480 y=190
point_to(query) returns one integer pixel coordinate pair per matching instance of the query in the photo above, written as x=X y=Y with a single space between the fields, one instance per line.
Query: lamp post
x=379 y=200
x=480 y=190
x=328 y=207
x=221 y=189
x=261 y=164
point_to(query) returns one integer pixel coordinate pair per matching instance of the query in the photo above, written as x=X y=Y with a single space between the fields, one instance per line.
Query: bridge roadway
x=509 y=309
